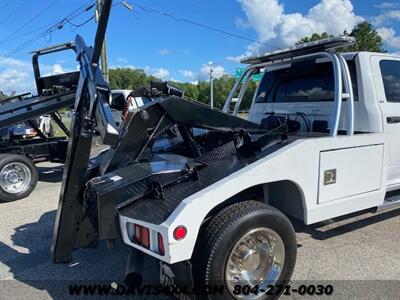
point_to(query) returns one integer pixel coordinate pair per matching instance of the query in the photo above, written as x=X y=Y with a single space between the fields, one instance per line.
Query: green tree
x=127 y=78
x=367 y=38
x=2 y=96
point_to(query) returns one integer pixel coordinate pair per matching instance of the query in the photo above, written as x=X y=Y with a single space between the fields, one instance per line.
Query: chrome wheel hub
x=15 y=178
x=257 y=259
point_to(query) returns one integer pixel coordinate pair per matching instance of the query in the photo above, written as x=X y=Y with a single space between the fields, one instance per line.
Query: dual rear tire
x=246 y=247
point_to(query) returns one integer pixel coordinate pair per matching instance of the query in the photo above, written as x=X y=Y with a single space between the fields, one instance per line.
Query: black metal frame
x=72 y=228
x=12 y=113
x=44 y=83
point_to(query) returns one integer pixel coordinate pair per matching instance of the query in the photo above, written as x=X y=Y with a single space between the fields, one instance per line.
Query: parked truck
x=213 y=205
x=26 y=133
x=124 y=101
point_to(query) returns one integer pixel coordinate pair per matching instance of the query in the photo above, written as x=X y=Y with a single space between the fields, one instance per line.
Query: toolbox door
x=349 y=172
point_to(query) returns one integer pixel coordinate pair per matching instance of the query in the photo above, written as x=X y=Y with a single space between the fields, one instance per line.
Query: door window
x=391 y=79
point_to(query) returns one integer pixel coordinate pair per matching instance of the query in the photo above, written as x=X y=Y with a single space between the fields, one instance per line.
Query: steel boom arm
x=91 y=110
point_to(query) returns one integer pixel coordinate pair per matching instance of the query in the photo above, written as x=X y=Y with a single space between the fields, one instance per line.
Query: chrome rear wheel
x=256 y=260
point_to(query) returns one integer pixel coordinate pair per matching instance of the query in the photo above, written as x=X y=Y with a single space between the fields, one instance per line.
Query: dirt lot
x=358 y=255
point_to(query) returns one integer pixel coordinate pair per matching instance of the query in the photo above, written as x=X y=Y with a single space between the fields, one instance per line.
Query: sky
x=172 y=49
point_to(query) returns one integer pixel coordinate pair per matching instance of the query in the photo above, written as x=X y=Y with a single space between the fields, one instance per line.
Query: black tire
x=222 y=232
x=7 y=159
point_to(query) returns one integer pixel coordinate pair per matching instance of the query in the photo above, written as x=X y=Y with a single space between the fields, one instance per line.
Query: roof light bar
x=303 y=49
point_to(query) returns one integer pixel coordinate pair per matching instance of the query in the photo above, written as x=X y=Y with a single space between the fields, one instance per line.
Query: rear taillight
x=141 y=236
x=146 y=238
x=161 y=249
x=138 y=234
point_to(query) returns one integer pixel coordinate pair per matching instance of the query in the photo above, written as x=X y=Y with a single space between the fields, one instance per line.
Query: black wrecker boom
x=89 y=200
x=91 y=109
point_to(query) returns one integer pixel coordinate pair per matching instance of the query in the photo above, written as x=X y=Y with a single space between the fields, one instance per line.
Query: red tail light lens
x=161 y=249
x=138 y=234
x=146 y=237
x=142 y=236
x=180 y=233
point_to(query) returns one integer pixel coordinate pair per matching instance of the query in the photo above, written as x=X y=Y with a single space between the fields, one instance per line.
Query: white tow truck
x=342 y=156
x=322 y=140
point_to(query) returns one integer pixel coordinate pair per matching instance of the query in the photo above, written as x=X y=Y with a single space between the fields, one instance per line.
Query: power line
x=180 y=19
x=29 y=21
x=14 y=11
x=70 y=15
x=57 y=26
x=30 y=32
x=80 y=24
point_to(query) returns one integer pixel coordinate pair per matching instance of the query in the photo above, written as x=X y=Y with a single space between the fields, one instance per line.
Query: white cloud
x=164 y=52
x=387 y=5
x=217 y=70
x=389 y=36
x=57 y=69
x=274 y=26
x=204 y=72
x=188 y=74
x=159 y=73
x=263 y=16
x=393 y=15
x=162 y=73
x=16 y=75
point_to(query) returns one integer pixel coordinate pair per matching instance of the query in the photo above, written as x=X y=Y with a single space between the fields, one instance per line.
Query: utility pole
x=103 y=59
x=211 y=88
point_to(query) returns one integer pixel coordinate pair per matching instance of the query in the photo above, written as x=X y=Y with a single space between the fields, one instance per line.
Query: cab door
x=387 y=80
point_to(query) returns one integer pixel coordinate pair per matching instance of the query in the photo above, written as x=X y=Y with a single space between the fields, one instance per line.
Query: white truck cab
x=305 y=91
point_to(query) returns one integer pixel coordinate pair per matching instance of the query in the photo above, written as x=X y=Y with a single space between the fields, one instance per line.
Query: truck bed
x=153 y=196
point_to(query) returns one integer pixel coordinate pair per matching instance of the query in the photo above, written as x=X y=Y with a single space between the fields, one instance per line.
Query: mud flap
x=179 y=278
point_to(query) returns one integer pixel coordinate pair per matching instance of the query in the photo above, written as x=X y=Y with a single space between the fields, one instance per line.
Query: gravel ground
x=358 y=255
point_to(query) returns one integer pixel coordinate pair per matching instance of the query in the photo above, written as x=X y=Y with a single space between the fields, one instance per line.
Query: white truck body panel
x=344 y=173
x=303 y=158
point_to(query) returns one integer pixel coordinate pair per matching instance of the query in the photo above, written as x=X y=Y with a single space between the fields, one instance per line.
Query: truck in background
x=26 y=130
